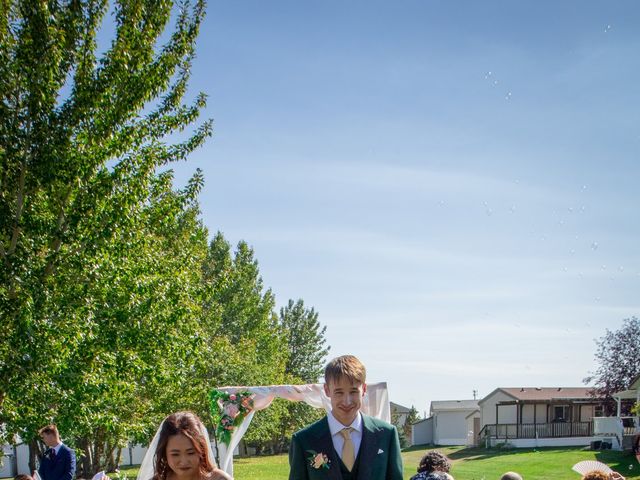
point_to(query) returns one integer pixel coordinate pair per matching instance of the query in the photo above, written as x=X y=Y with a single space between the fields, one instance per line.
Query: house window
x=598 y=411
x=561 y=413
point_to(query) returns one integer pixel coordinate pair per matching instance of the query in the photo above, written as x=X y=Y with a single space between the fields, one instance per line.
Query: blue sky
x=452 y=185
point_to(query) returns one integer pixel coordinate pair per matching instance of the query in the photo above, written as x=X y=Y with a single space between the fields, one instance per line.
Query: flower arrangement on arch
x=228 y=411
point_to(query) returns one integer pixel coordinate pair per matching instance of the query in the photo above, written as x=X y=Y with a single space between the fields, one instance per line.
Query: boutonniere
x=318 y=460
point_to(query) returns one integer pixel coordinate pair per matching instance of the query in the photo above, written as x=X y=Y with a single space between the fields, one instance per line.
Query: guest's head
x=344 y=384
x=434 y=461
x=23 y=477
x=511 y=476
x=182 y=448
x=596 y=475
x=49 y=435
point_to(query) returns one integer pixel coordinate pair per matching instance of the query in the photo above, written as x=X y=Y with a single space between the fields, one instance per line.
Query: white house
x=536 y=416
x=448 y=423
x=422 y=432
x=623 y=429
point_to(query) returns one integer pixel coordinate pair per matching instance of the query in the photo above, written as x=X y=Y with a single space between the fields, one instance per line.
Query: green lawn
x=468 y=463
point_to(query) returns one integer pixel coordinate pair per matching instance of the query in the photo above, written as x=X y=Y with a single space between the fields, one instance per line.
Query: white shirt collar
x=57 y=447
x=335 y=426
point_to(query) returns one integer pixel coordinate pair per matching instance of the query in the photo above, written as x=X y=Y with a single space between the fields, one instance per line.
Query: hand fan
x=587 y=466
x=100 y=475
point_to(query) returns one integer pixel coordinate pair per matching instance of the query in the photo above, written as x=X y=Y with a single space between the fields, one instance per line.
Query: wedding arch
x=233 y=409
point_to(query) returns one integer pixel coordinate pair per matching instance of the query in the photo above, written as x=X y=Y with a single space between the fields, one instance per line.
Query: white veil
x=147 y=467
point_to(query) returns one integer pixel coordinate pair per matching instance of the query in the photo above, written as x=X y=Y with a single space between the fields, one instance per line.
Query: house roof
x=632 y=392
x=398 y=408
x=545 y=393
x=476 y=411
x=453 y=405
x=422 y=420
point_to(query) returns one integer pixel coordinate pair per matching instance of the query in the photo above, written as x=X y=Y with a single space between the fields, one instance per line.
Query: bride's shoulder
x=217 y=474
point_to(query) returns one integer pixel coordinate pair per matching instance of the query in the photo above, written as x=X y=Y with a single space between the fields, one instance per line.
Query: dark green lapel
x=368 y=448
x=322 y=443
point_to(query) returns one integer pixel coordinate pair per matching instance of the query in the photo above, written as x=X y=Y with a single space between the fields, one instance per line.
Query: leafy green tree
x=243 y=331
x=306 y=340
x=412 y=418
x=305 y=364
x=618 y=361
x=88 y=270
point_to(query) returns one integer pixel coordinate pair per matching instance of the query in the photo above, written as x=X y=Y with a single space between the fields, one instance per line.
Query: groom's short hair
x=49 y=429
x=345 y=366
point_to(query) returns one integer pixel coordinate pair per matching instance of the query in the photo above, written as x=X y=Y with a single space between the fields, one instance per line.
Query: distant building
x=537 y=416
x=448 y=423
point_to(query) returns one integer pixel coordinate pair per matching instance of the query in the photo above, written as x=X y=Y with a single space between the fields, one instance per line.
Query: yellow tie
x=348 y=452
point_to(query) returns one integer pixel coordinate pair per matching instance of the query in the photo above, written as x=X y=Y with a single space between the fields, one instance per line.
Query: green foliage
x=307 y=354
x=228 y=411
x=113 y=310
x=99 y=256
x=246 y=343
x=412 y=418
x=305 y=338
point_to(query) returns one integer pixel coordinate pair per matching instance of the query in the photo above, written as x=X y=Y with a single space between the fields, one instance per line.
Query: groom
x=346 y=445
x=58 y=461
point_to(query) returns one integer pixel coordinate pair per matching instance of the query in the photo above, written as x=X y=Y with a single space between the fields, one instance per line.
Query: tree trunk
x=86 y=459
x=35 y=453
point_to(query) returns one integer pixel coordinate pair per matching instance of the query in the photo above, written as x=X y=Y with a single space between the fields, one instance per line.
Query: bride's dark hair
x=190 y=426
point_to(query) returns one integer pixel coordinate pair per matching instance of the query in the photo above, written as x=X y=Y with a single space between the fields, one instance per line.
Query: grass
x=468 y=463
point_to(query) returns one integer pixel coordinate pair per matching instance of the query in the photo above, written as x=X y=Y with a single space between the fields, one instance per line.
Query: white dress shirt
x=335 y=427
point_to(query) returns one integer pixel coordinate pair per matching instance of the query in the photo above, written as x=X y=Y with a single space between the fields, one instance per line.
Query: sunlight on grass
x=468 y=463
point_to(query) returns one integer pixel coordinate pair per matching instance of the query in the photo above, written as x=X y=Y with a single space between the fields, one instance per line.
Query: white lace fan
x=587 y=466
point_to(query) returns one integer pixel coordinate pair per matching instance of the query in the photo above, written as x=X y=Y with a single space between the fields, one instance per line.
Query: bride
x=180 y=450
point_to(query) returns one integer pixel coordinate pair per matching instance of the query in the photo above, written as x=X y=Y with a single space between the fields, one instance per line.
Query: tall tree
x=246 y=343
x=82 y=137
x=618 y=361
x=412 y=418
x=306 y=339
x=307 y=355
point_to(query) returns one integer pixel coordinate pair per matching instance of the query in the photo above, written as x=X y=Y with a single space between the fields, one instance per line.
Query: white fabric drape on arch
x=375 y=403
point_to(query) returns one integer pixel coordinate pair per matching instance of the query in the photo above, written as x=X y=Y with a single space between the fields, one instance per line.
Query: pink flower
x=232 y=397
x=231 y=409
x=319 y=460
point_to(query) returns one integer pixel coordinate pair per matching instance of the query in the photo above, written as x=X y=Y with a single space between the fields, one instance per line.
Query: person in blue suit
x=58 y=461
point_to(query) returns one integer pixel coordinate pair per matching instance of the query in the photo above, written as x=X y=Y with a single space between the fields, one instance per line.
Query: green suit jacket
x=379 y=452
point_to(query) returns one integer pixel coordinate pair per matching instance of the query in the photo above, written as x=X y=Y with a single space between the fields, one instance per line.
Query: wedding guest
x=600 y=475
x=22 y=476
x=346 y=443
x=432 y=462
x=182 y=451
x=58 y=461
x=511 y=476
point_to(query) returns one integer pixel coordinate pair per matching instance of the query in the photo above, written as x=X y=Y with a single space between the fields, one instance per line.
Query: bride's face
x=183 y=458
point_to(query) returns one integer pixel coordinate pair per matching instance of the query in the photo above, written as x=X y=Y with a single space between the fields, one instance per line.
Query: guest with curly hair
x=600 y=475
x=432 y=462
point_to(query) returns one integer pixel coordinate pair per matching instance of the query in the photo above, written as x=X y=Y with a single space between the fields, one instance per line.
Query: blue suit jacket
x=62 y=467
